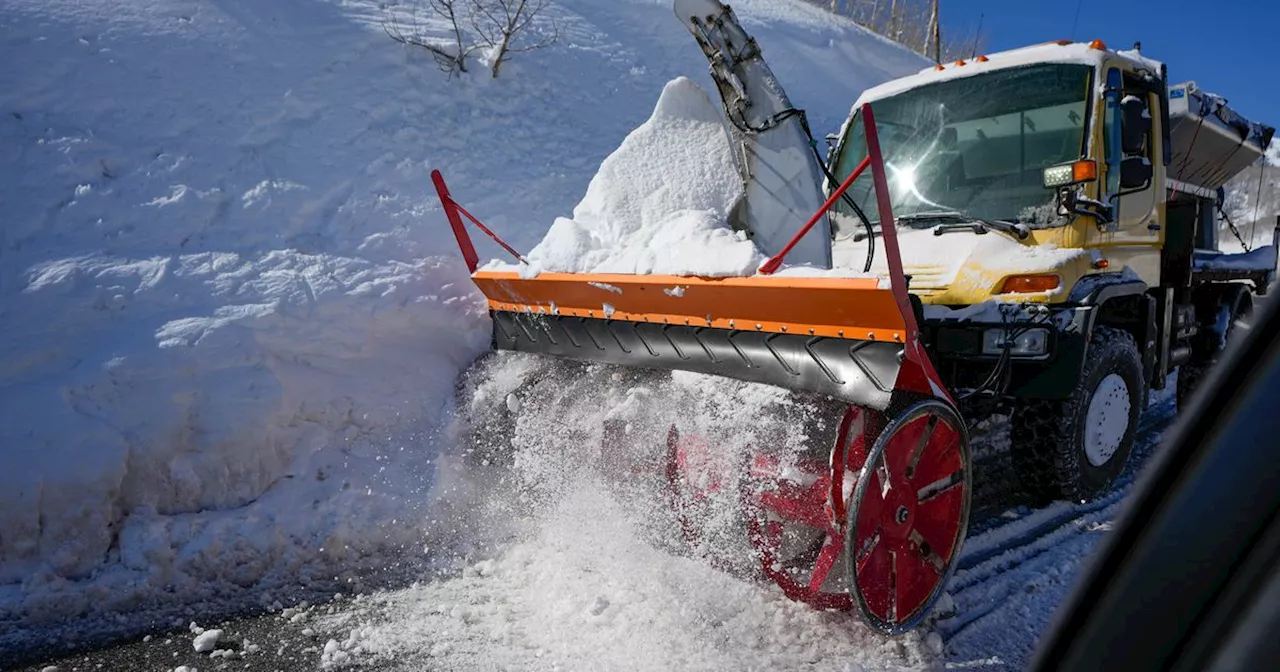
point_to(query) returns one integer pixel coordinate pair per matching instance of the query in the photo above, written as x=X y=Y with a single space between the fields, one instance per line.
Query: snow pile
x=660 y=203
x=599 y=576
x=1261 y=258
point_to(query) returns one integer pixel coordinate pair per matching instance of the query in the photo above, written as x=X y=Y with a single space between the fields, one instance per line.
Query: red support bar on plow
x=459 y=231
x=451 y=211
x=519 y=257
x=771 y=266
x=924 y=378
x=888 y=225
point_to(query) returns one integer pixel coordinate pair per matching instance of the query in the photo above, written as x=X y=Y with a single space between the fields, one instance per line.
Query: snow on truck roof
x=1063 y=51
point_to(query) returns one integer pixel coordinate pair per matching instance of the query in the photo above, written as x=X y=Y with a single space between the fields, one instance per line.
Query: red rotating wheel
x=909 y=514
x=906 y=487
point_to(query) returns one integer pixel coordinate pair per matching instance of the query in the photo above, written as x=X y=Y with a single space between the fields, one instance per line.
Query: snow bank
x=233 y=313
x=660 y=203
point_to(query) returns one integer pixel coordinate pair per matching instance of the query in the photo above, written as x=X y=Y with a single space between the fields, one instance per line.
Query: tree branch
x=445 y=9
x=502 y=23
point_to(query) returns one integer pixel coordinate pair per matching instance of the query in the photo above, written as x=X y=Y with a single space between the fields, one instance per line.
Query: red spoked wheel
x=896 y=491
x=909 y=514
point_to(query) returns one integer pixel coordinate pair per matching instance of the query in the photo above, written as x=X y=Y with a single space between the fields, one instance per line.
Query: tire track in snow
x=1014 y=574
x=997 y=538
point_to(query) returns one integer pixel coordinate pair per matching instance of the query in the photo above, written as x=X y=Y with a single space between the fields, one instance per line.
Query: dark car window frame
x=1162 y=589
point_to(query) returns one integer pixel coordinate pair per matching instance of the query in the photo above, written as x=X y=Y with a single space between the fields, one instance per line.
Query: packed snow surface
x=660 y=203
x=961 y=260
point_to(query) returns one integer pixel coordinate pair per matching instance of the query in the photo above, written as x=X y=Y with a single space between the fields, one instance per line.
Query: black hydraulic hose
x=866 y=223
x=1002 y=371
x=747 y=129
x=997 y=372
x=826 y=171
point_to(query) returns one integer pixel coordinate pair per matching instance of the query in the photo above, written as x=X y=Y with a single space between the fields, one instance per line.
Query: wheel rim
x=1107 y=421
x=909 y=514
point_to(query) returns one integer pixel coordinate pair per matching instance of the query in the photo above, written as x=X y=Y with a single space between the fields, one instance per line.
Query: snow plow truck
x=1031 y=232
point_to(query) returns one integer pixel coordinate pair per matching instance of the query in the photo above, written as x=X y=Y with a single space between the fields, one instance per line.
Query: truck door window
x=1128 y=128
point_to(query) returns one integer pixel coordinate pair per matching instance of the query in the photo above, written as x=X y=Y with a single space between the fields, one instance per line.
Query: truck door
x=1134 y=182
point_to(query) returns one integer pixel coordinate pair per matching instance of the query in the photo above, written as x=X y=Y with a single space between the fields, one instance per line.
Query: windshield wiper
x=914 y=217
x=972 y=227
x=1011 y=228
x=969 y=223
x=932 y=215
x=976 y=225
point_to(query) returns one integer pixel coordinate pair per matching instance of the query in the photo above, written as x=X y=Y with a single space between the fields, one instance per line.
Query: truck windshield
x=976 y=145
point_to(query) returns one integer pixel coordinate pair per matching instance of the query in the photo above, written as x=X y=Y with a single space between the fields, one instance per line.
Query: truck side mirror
x=1135 y=125
x=1135 y=173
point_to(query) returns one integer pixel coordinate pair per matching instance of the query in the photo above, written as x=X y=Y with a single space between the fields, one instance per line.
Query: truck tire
x=1191 y=374
x=1074 y=448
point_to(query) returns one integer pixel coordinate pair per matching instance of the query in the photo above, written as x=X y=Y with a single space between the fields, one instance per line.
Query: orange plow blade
x=840 y=337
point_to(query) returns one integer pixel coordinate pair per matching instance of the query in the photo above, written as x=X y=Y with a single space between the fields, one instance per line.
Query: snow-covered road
x=589 y=590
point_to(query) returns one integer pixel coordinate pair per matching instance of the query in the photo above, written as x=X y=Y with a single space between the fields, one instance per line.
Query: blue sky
x=1228 y=49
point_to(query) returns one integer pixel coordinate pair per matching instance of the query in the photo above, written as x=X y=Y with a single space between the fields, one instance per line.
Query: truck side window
x=1135 y=125
x=1129 y=131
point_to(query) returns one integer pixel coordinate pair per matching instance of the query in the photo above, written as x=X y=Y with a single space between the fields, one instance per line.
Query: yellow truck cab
x=1056 y=215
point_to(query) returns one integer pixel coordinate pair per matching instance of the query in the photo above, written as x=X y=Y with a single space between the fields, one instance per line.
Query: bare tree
x=501 y=26
x=410 y=31
x=915 y=24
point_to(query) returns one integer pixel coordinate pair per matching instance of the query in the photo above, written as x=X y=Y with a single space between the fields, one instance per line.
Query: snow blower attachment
x=780 y=169
x=873 y=523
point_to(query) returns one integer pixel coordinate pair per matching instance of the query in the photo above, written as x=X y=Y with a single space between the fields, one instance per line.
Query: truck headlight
x=1066 y=174
x=1029 y=343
